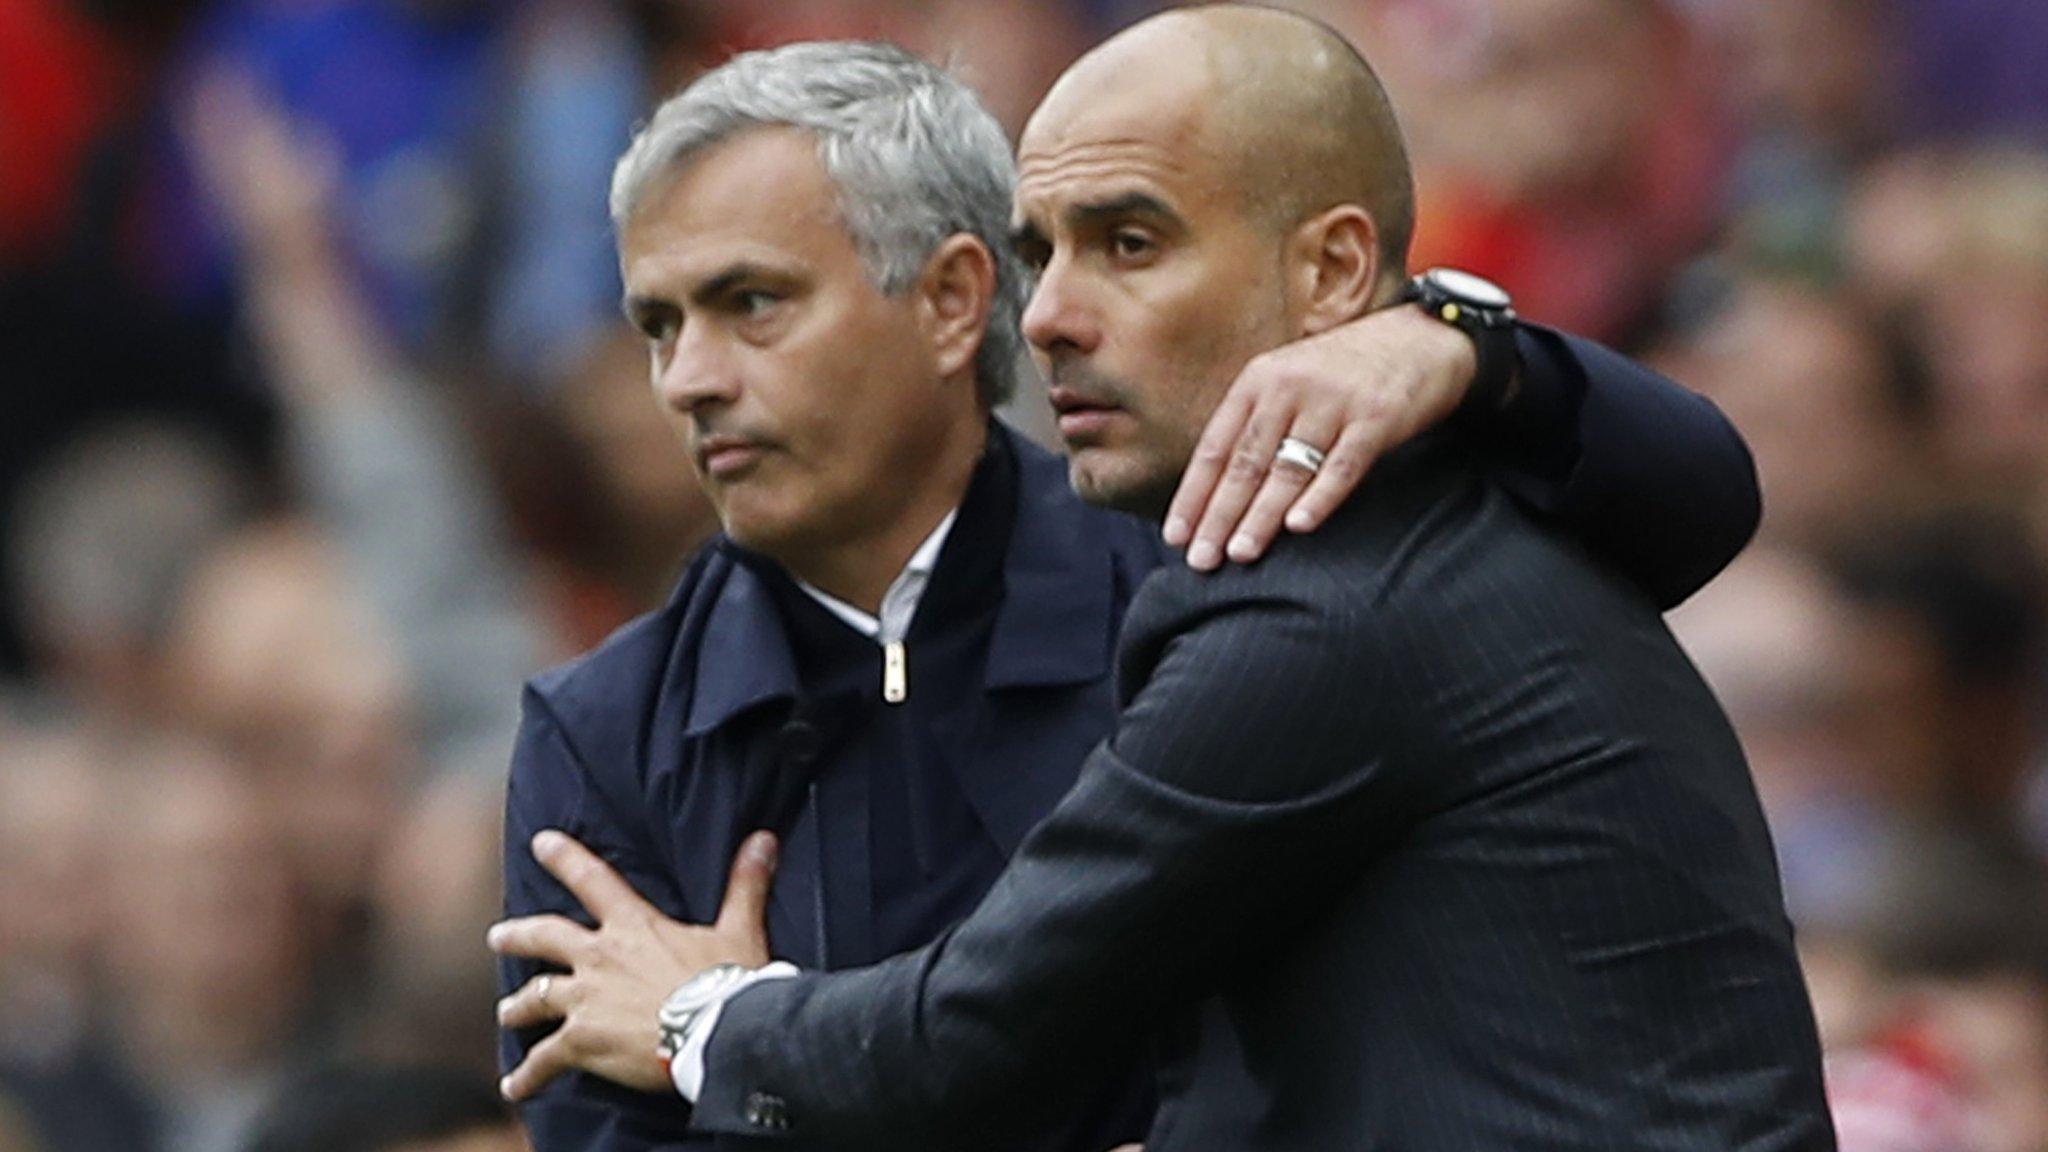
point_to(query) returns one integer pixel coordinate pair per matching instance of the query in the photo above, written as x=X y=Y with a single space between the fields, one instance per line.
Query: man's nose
x=699 y=370
x=1058 y=318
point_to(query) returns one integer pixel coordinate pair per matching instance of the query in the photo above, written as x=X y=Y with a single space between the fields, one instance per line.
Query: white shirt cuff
x=687 y=1069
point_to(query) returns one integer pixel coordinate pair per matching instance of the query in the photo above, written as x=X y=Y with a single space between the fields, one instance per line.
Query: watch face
x=1469 y=288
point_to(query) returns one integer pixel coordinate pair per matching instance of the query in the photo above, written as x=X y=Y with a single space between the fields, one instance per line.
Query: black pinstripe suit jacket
x=1420 y=834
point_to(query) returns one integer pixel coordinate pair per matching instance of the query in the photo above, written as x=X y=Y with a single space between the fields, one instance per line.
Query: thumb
x=746 y=892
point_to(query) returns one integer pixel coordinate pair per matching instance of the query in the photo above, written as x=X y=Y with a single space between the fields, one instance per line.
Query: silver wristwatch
x=688 y=1002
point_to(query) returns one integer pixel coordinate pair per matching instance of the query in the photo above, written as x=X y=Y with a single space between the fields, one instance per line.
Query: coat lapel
x=1047 y=681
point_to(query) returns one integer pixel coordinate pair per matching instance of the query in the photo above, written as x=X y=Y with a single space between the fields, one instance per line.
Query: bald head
x=1288 y=108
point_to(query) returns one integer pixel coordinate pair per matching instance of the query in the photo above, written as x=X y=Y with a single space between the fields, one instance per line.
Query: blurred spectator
x=1570 y=149
x=1949 y=648
x=576 y=82
x=437 y=890
x=403 y=89
x=323 y=743
x=57 y=817
x=89 y=339
x=1795 y=367
x=1815 y=84
x=1897 y=230
x=1009 y=50
x=1896 y=687
x=395 y=1108
x=1979 y=314
x=379 y=461
x=101 y=541
x=210 y=976
x=1957 y=1052
x=53 y=881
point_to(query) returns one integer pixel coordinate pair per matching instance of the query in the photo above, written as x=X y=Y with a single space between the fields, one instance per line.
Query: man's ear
x=1335 y=267
x=955 y=296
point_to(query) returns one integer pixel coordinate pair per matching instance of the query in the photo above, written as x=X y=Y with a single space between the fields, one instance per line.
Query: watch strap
x=1490 y=327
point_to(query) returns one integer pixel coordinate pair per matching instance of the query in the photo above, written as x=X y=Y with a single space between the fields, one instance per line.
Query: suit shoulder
x=1363 y=552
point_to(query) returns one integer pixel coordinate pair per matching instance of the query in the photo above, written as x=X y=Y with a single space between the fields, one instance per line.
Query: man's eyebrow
x=725 y=279
x=1124 y=204
x=1025 y=234
x=705 y=291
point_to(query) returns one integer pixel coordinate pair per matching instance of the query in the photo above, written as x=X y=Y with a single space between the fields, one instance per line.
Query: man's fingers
x=1284 y=483
x=555 y=939
x=539 y=1000
x=1344 y=465
x=1261 y=521
x=1250 y=462
x=745 y=908
x=595 y=884
x=1205 y=467
x=544 y=1061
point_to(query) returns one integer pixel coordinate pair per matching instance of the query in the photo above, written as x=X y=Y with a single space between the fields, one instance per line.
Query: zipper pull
x=895 y=685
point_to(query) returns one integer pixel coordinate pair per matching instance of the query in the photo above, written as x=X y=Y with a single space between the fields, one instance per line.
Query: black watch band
x=1483 y=312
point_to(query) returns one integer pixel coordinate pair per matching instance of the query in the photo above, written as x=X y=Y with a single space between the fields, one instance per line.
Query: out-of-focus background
x=319 y=432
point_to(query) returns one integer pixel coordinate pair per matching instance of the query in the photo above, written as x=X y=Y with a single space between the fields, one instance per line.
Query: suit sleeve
x=1223 y=811
x=550 y=788
x=1650 y=477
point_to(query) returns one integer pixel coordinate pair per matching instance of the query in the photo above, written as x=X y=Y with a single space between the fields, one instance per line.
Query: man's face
x=1156 y=282
x=805 y=396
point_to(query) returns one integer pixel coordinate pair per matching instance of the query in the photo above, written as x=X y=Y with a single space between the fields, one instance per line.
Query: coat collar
x=744 y=657
x=1058 y=621
x=1056 y=626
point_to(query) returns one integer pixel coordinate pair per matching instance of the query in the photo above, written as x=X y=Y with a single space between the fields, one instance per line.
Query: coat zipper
x=895 y=680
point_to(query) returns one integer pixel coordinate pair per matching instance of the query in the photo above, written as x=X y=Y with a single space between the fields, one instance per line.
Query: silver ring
x=1301 y=454
x=540 y=989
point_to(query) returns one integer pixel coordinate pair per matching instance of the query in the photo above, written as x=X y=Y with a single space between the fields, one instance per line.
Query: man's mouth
x=728 y=457
x=1081 y=415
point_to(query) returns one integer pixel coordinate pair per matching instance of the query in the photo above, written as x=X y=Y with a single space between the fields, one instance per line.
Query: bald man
x=1419 y=834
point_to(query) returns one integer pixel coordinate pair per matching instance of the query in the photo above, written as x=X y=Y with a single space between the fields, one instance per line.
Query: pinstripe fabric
x=1421 y=834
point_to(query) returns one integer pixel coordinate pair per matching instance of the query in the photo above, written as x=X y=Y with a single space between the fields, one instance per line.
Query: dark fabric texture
x=1420 y=834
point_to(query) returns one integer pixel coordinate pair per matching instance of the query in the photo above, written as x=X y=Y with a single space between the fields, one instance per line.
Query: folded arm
x=550 y=788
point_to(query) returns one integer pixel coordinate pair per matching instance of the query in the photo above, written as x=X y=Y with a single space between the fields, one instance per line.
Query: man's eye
x=754 y=304
x=660 y=328
x=1130 y=244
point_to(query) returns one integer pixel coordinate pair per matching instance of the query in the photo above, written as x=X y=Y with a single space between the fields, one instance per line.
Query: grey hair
x=915 y=156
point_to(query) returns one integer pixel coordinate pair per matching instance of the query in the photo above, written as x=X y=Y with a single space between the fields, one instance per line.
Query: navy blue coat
x=656 y=748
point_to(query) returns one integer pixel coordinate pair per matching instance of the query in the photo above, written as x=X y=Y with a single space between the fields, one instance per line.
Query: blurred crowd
x=320 y=432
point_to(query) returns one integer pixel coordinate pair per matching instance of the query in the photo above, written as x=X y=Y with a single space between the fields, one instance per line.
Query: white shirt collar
x=899 y=603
